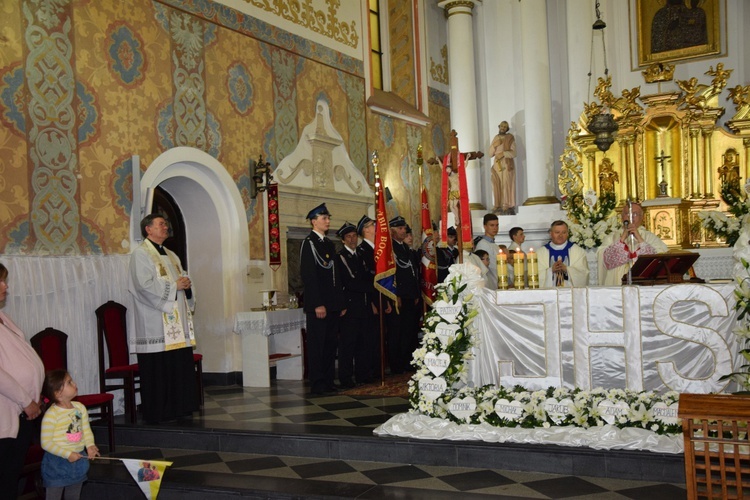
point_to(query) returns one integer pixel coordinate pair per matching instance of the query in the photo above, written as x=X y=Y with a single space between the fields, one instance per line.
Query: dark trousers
x=321 y=350
x=354 y=357
x=402 y=335
x=167 y=385
x=12 y=455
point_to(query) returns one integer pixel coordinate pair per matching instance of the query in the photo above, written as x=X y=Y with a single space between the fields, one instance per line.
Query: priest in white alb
x=562 y=263
x=618 y=250
x=164 y=335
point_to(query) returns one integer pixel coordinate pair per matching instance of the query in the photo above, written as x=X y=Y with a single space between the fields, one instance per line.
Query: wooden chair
x=717 y=449
x=112 y=329
x=52 y=347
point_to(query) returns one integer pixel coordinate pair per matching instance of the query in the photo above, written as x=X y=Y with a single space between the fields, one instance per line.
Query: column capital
x=458 y=6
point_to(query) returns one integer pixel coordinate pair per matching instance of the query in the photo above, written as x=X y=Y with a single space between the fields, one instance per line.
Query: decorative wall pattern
x=401 y=38
x=52 y=138
x=354 y=88
x=303 y=13
x=84 y=86
x=247 y=25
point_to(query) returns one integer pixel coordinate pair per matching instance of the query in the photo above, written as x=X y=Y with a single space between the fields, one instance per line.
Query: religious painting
x=674 y=30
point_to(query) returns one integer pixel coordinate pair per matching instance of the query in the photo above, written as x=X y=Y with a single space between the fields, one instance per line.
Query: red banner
x=455 y=191
x=429 y=255
x=274 y=236
x=385 y=265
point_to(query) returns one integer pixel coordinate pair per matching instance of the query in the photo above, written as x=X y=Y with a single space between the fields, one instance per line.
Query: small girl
x=66 y=438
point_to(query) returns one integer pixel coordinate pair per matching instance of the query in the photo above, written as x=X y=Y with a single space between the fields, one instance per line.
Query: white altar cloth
x=658 y=338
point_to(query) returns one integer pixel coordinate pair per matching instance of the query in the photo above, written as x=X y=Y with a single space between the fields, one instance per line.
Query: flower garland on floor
x=590 y=217
x=439 y=389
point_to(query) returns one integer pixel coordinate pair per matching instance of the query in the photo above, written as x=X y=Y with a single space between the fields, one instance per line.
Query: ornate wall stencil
x=387 y=131
x=252 y=27
x=285 y=68
x=52 y=129
x=355 y=89
x=93 y=237
x=189 y=104
x=439 y=72
x=240 y=87
x=243 y=184
x=122 y=186
x=18 y=239
x=165 y=125
x=401 y=27
x=13 y=99
x=126 y=59
x=303 y=13
x=87 y=113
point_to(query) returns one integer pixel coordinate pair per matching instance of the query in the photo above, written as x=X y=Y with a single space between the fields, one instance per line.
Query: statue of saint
x=503 y=151
x=729 y=171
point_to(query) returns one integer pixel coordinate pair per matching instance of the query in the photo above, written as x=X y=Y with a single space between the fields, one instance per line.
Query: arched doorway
x=217 y=247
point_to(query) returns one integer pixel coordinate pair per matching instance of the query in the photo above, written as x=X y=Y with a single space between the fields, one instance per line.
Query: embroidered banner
x=385 y=265
x=274 y=237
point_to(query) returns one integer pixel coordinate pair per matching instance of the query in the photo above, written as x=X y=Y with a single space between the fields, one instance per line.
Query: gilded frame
x=684 y=42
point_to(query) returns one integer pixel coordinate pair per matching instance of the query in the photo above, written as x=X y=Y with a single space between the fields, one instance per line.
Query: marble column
x=463 y=92
x=537 y=103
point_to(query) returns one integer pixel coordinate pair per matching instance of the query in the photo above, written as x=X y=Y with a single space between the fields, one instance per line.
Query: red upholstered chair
x=52 y=347
x=112 y=329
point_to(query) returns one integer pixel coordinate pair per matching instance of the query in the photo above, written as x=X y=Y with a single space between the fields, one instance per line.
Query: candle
x=502 y=271
x=533 y=269
x=518 y=269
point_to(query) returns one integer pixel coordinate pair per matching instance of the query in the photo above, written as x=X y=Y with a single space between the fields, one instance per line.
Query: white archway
x=217 y=246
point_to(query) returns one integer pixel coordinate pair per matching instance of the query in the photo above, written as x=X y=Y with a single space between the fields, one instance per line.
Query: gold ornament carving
x=698 y=98
x=439 y=72
x=303 y=13
x=658 y=72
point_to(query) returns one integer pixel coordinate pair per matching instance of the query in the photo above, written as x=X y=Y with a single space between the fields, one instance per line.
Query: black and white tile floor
x=287 y=407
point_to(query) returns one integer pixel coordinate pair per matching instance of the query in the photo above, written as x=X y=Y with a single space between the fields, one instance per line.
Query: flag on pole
x=385 y=265
x=429 y=268
x=147 y=474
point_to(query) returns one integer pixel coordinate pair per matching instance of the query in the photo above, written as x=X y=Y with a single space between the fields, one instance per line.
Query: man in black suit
x=403 y=326
x=446 y=256
x=323 y=301
x=366 y=229
x=353 y=355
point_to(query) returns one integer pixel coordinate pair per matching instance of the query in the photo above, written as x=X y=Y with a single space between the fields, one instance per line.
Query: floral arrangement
x=742 y=294
x=439 y=387
x=590 y=218
x=738 y=205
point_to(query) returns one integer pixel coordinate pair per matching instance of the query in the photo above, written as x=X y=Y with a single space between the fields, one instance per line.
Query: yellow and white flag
x=147 y=474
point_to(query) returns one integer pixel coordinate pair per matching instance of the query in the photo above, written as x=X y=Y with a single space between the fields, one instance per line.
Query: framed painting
x=673 y=30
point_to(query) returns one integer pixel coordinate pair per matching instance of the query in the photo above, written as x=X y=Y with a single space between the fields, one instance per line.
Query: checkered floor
x=288 y=402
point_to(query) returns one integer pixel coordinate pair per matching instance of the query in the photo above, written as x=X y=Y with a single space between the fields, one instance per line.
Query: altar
x=655 y=338
x=271 y=339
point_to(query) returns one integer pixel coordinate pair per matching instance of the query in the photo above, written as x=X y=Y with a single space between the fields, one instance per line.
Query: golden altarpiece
x=669 y=151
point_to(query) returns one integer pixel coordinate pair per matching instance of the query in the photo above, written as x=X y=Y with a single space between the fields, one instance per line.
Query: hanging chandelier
x=602 y=124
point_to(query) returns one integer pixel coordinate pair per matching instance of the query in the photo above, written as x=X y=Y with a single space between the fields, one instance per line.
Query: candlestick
x=518 y=269
x=502 y=271
x=533 y=266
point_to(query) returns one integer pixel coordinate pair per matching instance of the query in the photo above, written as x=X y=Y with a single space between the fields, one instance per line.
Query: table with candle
x=533 y=268
x=518 y=269
x=502 y=270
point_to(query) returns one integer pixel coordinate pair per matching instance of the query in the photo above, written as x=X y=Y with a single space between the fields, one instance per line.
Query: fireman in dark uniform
x=323 y=301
